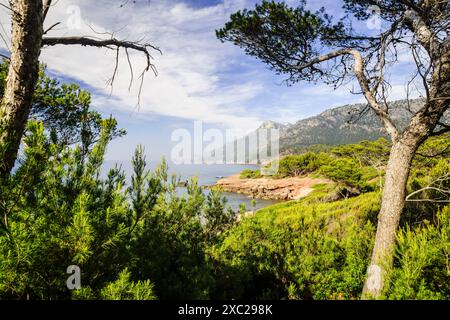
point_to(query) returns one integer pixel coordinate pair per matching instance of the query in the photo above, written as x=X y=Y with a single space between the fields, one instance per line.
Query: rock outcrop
x=266 y=188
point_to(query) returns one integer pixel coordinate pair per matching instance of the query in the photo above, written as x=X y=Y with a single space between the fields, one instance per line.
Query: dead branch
x=88 y=41
x=434 y=187
x=363 y=82
x=445 y=129
x=114 y=44
x=45 y=7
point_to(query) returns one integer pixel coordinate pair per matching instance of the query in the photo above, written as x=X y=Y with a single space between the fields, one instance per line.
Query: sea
x=207 y=175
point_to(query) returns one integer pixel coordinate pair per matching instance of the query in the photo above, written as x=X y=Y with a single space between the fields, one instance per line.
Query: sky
x=199 y=78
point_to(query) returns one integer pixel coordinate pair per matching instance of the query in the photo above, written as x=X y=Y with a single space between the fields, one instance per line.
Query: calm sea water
x=207 y=175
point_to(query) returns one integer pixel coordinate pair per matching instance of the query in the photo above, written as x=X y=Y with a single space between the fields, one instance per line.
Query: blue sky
x=199 y=78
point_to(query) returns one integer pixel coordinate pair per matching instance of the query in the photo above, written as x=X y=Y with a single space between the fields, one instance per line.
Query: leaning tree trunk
x=403 y=150
x=393 y=199
x=392 y=203
x=26 y=38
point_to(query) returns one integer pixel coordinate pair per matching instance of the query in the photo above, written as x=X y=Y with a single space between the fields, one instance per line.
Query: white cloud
x=199 y=78
x=188 y=84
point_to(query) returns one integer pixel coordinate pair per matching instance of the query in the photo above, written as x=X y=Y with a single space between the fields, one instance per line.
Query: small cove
x=207 y=175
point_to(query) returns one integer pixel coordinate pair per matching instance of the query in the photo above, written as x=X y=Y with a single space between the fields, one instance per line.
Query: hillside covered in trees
x=341 y=125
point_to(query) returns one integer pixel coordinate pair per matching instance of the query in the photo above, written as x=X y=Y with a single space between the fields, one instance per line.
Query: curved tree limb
x=444 y=191
x=445 y=129
x=51 y=27
x=425 y=36
x=363 y=82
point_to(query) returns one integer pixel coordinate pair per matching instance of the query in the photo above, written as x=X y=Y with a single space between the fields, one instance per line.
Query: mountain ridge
x=346 y=124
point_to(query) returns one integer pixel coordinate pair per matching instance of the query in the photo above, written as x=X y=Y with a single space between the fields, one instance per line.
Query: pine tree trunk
x=397 y=172
x=393 y=200
x=26 y=38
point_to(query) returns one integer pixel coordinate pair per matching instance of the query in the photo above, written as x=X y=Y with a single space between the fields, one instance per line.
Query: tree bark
x=403 y=150
x=397 y=173
x=392 y=203
x=27 y=31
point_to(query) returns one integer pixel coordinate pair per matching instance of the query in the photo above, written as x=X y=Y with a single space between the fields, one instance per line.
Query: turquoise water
x=207 y=175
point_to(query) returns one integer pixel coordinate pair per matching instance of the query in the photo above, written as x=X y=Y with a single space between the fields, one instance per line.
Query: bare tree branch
x=363 y=82
x=5 y=6
x=445 y=129
x=434 y=186
x=45 y=7
x=88 y=41
x=51 y=27
x=131 y=69
x=111 y=43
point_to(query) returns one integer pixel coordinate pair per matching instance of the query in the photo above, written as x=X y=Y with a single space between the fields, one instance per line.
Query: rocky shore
x=266 y=188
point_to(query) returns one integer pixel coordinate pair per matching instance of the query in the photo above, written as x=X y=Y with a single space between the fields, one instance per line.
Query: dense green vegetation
x=136 y=238
x=305 y=250
x=355 y=166
x=316 y=250
x=129 y=242
x=319 y=248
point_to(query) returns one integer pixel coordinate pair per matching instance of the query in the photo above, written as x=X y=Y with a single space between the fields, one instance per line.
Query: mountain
x=272 y=125
x=343 y=125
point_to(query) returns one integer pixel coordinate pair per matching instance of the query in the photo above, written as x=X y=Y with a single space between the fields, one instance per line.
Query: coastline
x=292 y=188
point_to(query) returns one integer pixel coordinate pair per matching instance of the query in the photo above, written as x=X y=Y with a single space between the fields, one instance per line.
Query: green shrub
x=300 y=250
x=347 y=171
x=296 y=165
x=250 y=174
x=124 y=289
x=421 y=266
